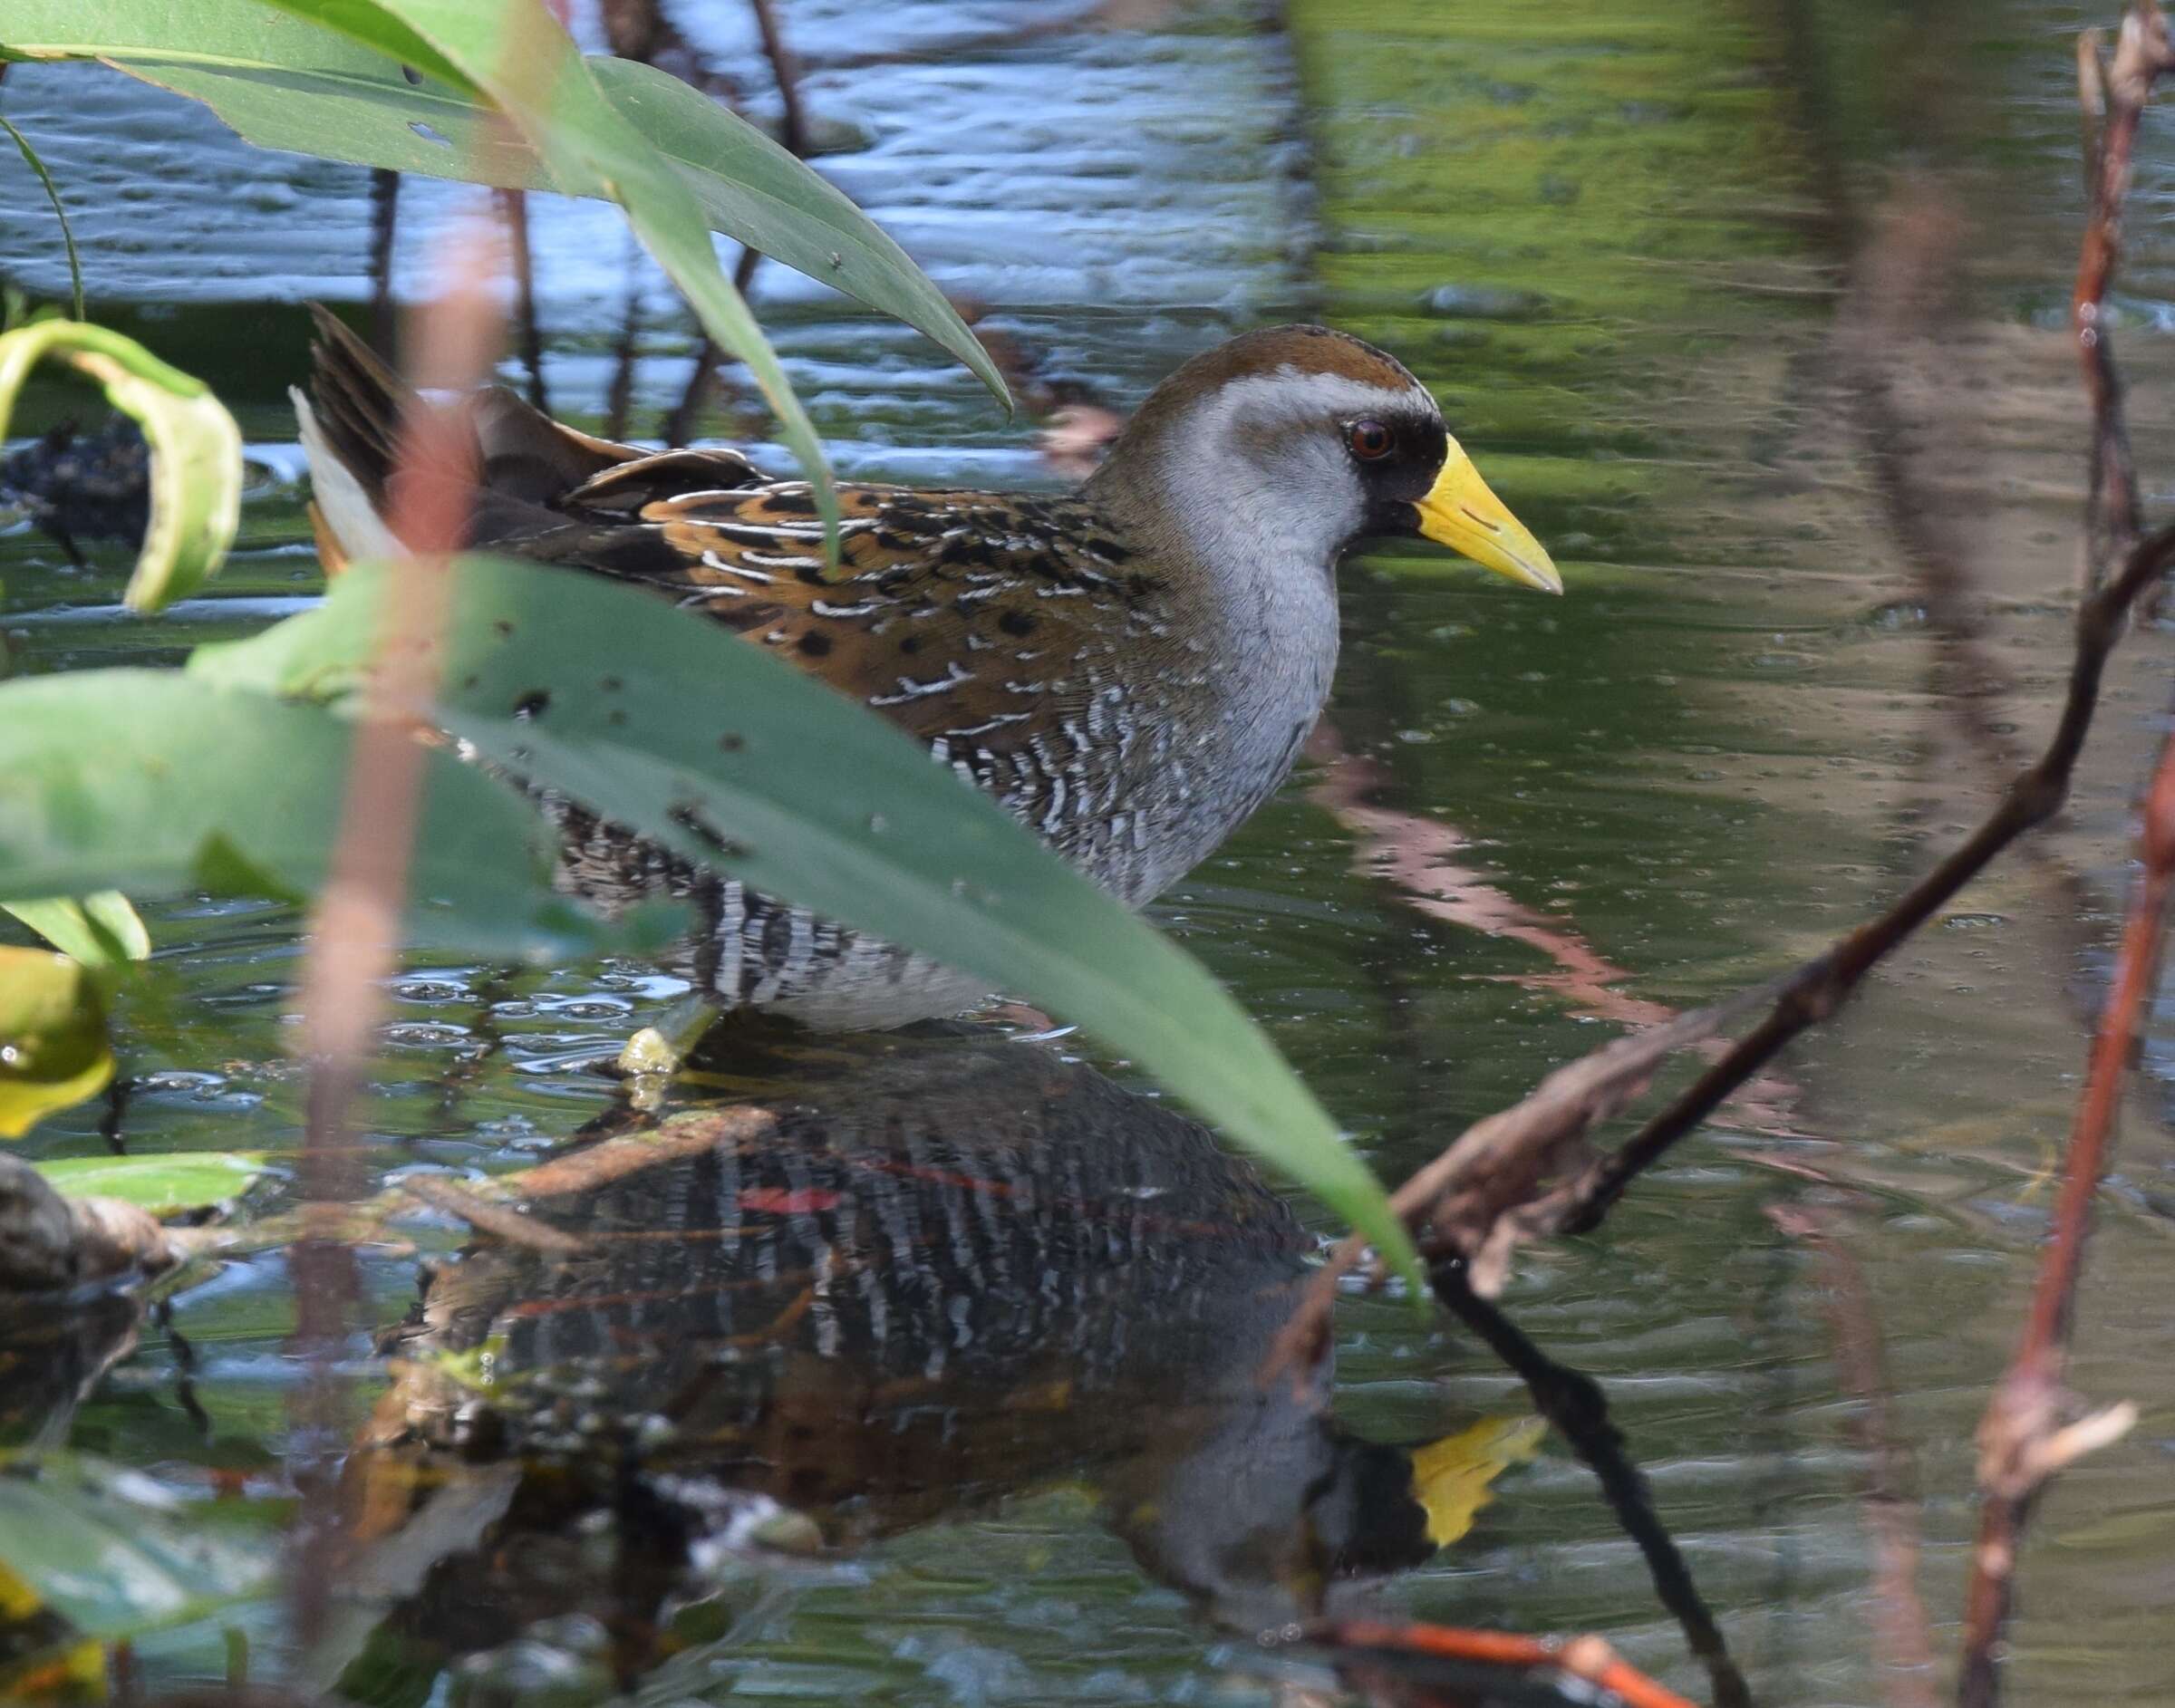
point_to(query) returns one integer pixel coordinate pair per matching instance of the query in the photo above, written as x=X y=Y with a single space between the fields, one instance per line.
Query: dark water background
x=1751 y=308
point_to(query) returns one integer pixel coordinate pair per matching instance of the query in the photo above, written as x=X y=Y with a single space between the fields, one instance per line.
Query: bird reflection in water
x=908 y=1279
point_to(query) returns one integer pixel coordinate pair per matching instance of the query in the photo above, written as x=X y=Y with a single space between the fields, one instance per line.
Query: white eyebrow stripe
x=1311 y=395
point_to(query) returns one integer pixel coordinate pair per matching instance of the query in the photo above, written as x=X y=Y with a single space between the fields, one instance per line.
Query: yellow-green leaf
x=53 y=1049
x=196 y=448
x=164 y=1185
x=101 y=931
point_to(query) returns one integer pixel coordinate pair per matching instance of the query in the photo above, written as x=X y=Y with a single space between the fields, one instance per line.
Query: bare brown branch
x=501 y=1220
x=1527 y=1172
x=513 y=208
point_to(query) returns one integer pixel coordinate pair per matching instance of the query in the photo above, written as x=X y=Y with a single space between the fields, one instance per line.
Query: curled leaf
x=196 y=448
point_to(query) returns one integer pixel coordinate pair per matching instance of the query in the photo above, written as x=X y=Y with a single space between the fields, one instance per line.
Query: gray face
x=1265 y=466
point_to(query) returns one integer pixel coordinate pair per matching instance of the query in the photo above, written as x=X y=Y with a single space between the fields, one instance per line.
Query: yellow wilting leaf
x=1452 y=1477
x=19 y=1600
x=55 y=1670
x=59 y=1679
x=53 y=1048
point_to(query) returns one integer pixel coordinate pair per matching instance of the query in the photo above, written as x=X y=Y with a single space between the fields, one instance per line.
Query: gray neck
x=1255 y=526
x=1253 y=598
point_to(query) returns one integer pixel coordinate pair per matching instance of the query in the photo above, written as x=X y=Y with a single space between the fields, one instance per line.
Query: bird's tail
x=523 y=461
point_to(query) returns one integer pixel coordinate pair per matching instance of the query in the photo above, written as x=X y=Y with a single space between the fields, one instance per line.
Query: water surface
x=1817 y=594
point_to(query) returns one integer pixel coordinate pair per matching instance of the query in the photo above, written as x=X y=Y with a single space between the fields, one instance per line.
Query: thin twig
x=1817 y=988
x=1578 y=1410
x=793 y=128
x=2141 y=53
x=1587 y=1659
x=1489 y=1191
x=793 y=131
x=502 y=1220
x=2025 y=1435
x=619 y=397
x=513 y=207
x=384 y=221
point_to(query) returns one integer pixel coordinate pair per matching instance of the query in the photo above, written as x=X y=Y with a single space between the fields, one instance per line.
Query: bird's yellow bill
x=1460 y=511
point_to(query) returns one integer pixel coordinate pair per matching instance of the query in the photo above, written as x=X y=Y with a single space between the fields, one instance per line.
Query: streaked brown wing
x=958 y=615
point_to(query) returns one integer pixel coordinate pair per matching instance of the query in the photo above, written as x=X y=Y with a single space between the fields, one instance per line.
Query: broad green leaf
x=381 y=29
x=284 y=83
x=627 y=703
x=753 y=189
x=518 y=53
x=196 y=448
x=164 y=1185
x=113 y=1552
x=53 y=1049
x=153 y=782
x=102 y=930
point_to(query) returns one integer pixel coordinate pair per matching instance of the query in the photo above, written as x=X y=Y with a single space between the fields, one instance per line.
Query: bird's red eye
x=1371 y=440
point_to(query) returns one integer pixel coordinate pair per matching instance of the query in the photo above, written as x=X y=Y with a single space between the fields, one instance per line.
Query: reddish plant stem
x=354 y=929
x=2020 y=1444
x=2141 y=53
x=1586 y=1658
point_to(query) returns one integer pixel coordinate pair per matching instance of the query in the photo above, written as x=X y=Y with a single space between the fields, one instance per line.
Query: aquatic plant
x=151 y=781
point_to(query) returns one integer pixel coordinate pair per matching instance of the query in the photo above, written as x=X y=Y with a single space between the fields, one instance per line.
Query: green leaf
x=164 y=1185
x=638 y=698
x=196 y=448
x=113 y=1553
x=75 y=269
x=101 y=931
x=518 y=53
x=53 y=1048
x=151 y=782
x=284 y=83
x=381 y=29
x=753 y=189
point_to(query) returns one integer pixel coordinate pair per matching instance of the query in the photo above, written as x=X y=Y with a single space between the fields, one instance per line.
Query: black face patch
x=1393 y=483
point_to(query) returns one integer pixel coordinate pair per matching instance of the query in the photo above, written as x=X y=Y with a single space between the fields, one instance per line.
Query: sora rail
x=1131 y=670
